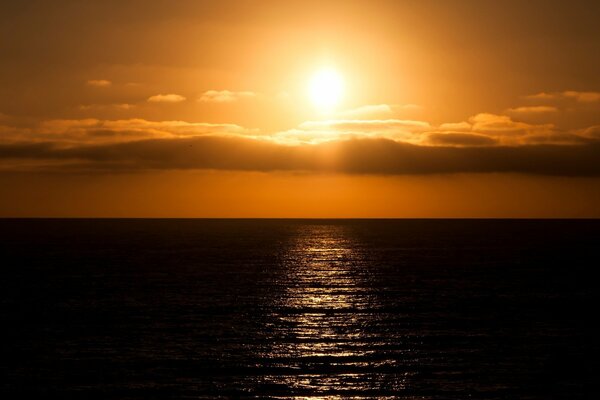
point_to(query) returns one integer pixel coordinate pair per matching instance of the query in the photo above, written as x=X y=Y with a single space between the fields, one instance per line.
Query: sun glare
x=326 y=87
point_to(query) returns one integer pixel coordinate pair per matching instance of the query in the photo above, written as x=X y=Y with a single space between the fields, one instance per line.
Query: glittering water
x=299 y=309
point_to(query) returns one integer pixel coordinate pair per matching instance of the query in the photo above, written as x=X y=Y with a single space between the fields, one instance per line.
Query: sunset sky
x=300 y=108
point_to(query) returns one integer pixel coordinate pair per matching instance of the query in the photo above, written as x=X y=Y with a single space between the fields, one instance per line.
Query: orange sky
x=192 y=108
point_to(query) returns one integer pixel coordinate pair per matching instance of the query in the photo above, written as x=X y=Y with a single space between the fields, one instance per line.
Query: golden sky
x=300 y=108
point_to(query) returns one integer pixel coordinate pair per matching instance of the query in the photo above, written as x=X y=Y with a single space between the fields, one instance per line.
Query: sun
x=326 y=88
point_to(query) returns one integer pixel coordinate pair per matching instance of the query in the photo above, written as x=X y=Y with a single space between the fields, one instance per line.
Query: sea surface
x=290 y=309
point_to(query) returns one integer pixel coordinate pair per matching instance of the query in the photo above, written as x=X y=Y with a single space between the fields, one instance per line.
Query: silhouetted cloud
x=486 y=142
x=357 y=156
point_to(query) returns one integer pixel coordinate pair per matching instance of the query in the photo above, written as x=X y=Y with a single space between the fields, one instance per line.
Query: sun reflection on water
x=322 y=318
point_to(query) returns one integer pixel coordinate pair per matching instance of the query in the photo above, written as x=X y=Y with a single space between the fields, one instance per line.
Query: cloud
x=455 y=126
x=224 y=96
x=99 y=82
x=344 y=144
x=503 y=130
x=101 y=107
x=592 y=132
x=357 y=156
x=166 y=98
x=8 y=132
x=459 y=139
x=503 y=125
x=541 y=96
x=338 y=129
x=557 y=138
x=581 y=97
x=92 y=130
x=532 y=110
x=482 y=129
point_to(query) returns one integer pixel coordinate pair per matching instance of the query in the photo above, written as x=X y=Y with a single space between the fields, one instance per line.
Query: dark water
x=434 y=309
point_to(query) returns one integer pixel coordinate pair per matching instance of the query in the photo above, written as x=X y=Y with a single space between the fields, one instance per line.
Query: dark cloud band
x=359 y=156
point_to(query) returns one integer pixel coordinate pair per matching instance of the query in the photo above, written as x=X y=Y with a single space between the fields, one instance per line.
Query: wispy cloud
x=70 y=132
x=542 y=96
x=583 y=97
x=591 y=132
x=224 y=96
x=166 y=98
x=481 y=129
x=455 y=126
x=339 y=129
x=579 y=96
x=99 y=82
x=459 y=139
x=532 y=110
x=503 y=125
x=100 y=107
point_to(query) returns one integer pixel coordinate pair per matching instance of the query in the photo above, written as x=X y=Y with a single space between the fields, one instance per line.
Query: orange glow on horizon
x=392 y=90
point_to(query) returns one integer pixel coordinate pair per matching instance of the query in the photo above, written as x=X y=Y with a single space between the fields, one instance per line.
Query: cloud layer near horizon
x=355 y=142
x=354 y=156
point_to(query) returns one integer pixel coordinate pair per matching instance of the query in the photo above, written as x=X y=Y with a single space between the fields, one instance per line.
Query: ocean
x=299 y=309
